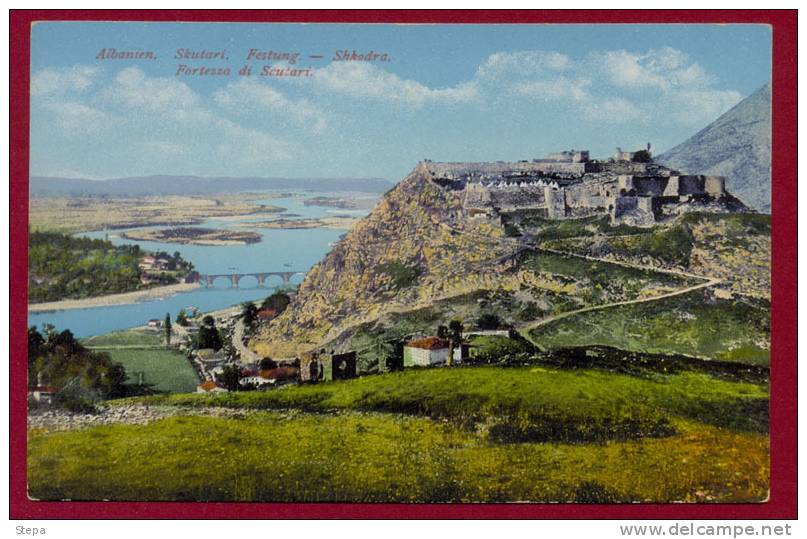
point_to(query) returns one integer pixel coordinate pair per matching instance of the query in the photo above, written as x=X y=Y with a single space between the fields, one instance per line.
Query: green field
x=145 y=338
x=432 y=435
x=538 y=403
x=353 y=457
x=693 y=324
x=163 y=370
x=142 y=350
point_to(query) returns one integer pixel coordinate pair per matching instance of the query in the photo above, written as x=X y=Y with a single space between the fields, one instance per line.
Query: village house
x=425 y=352
x=210 y=357
x=209 y=386
x=147 y=262
x=428 y=351
x=43 y=394
x=155 y=323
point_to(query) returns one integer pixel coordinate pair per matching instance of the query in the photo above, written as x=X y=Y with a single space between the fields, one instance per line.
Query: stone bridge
x=207 y=280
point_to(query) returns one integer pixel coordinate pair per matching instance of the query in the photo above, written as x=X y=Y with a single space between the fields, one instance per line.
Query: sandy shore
x=113 y=299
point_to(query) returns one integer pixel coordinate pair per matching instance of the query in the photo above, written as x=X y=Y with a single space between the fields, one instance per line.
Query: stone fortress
x=629 y=187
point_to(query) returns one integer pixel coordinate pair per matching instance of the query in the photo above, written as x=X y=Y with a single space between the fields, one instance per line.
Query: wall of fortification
x=555 y=202
x=715 y=186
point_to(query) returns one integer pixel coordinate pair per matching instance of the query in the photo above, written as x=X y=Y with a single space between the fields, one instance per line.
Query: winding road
x=246 y=355
x=525 y=329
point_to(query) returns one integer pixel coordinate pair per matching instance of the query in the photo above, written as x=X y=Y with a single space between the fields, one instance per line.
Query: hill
x=738 y=146
x=195 y=185
x=435 y=248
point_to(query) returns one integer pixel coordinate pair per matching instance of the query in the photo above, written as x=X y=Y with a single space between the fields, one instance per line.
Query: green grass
x=353 y=457
x=603 y=280
x=128 y=337
x=164 y=370
x=552 y=229
x=534 y=403
x=693 y=324
x=474 y=434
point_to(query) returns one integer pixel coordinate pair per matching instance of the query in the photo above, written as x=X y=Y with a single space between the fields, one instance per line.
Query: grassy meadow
x=693 y=324
x=432 y=435
x=142 y=350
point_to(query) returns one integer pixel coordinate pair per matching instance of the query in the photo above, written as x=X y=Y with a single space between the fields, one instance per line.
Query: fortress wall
x=672 y=187
x=584 y=195
x=650 y=186
x=555 y=202
x=479 y=170
x=476 y=196
x=691 y=185
x=518 y=197
x=625 y=182
x=715 y=185
x=636 y=204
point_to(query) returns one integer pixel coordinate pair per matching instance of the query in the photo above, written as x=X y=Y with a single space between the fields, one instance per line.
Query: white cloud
x=153 y=121
x=560 y=88
x=75 y=118
x=663 y=69
x=363 y=80
x=132 y=88
x=504 y=66
x=57 y=81
x=247 y=96
x=614 y=86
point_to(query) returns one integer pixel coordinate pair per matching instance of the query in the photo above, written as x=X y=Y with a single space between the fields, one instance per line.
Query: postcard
x=286 y=261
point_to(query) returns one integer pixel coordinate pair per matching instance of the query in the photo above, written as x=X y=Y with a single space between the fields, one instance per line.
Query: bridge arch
x=249 y=280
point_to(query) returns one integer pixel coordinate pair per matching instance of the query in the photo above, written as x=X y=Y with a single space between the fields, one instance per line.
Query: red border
x=782 y=503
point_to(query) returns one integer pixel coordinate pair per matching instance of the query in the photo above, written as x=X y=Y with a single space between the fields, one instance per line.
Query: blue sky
x=448 y=93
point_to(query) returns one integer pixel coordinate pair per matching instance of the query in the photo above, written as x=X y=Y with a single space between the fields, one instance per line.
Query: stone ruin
x=628 y=187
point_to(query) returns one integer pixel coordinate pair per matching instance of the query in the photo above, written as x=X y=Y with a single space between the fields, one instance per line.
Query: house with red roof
x=209 y=386
x=426 y=352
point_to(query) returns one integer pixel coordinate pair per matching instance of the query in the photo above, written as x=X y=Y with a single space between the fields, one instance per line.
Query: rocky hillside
x=736 y=145
x=416 y=246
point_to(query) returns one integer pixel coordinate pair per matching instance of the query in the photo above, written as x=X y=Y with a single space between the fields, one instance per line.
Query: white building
x=425 y=352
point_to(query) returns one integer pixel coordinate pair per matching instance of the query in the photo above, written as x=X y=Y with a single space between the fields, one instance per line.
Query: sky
x=444 y=92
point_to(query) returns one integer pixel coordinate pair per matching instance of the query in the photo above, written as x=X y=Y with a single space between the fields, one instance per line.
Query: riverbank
x=125 y=298
x=194 y=236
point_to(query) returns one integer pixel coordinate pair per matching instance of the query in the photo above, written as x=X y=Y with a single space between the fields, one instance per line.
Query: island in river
x=195 y=236
x=340 y=222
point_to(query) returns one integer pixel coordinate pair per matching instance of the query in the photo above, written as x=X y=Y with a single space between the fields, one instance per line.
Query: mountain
x=195 y=185
x=738 y=146
x=414 y=248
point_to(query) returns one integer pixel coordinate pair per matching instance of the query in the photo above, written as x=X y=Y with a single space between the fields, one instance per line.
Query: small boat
x=287 y=265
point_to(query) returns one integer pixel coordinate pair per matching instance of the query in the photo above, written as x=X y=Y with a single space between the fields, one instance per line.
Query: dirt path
x=707 y=282
x=247 y=355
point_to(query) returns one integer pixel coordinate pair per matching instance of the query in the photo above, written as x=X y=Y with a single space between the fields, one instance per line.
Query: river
x=280 y=250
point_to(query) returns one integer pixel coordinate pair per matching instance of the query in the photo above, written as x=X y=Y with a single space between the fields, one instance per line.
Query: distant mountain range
x=738 y=146
x=195 y=185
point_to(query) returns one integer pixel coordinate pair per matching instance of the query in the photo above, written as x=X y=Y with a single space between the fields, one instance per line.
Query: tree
x=249 y=313
x=167 y=330
x=229 y=377
x=489 y=321
x=59 y=360
x=277 y=301
x=442 y=331
x=455 y=338
x=182 y=317
x=208 y=336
